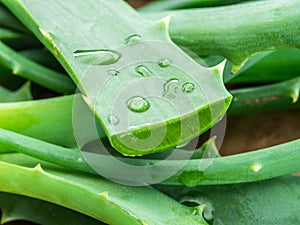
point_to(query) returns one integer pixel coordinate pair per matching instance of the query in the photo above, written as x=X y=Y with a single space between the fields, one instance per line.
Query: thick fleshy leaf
x=147 y=93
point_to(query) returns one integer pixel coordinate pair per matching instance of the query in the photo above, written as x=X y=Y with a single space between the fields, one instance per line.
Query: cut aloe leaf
x=16 y=207
x=252 y=27
x=96 y=197
x=274 y=201
x=147 y=93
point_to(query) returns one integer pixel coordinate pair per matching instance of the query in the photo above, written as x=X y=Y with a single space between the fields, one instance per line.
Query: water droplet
x=188 y=87
x=191 y=179
x=144 y=71
x=133 y=39
x=113 y=72
x=138 y=104
x=97 y=57
x=165 y=63
x=113 y=120
x=170 y=88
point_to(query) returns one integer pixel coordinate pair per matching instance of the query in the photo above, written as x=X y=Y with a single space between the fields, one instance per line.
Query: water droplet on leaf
x=165 y=63
x=170 y=88
x=133 y=39
x=143 y=70
x=138 y=104
x=113 y=120
x=113 y=72
x=188 y=87
x=97 y=57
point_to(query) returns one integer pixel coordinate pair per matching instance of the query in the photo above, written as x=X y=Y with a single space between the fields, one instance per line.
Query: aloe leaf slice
x=96 y=197
x=262 y=164
x=274 y=201
x=17 y=207
x=252 y=27
x=129 y=70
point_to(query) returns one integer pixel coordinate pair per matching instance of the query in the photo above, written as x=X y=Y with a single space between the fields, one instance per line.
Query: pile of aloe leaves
x=111 y=115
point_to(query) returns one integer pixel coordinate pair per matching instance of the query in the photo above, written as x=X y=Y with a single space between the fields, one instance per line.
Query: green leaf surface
x=22 y=94
x=140 y=52
x=275 y=201
x=238 y=31
x=17 y=207
x=96 y=197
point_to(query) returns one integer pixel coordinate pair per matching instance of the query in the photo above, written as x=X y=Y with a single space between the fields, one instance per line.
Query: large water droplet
x=165 y=63
x=133 y=39
x=113 y=72
x=138 y=104
x=188 y=87
x=143 y=70
x=113 y=120
x=97 y=57
x=170 y=88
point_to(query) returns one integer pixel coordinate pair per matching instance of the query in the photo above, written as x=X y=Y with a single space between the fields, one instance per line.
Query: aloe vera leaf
x=31 y=117
x=274 y=201
x=22 y=94
x=43 y=57
x=6 y=34
x=252 y=27
x=90 y=37
x=23 y=67
x=17 y=207
x=273 y=97
x=263 y=164
x=98 y=198
x=160 y=5
x=266 y=67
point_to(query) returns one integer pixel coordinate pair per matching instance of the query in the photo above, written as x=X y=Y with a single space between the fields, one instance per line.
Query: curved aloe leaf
x=160 y=5
x=6 y=34
x=148 y=79
x=17 y=207
x=93 y=196
x=28 y=69
x=274 y=97
x=266 y=67
x=252 y=27
x=259 y=165
x=274 y=201
x=31 y=117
